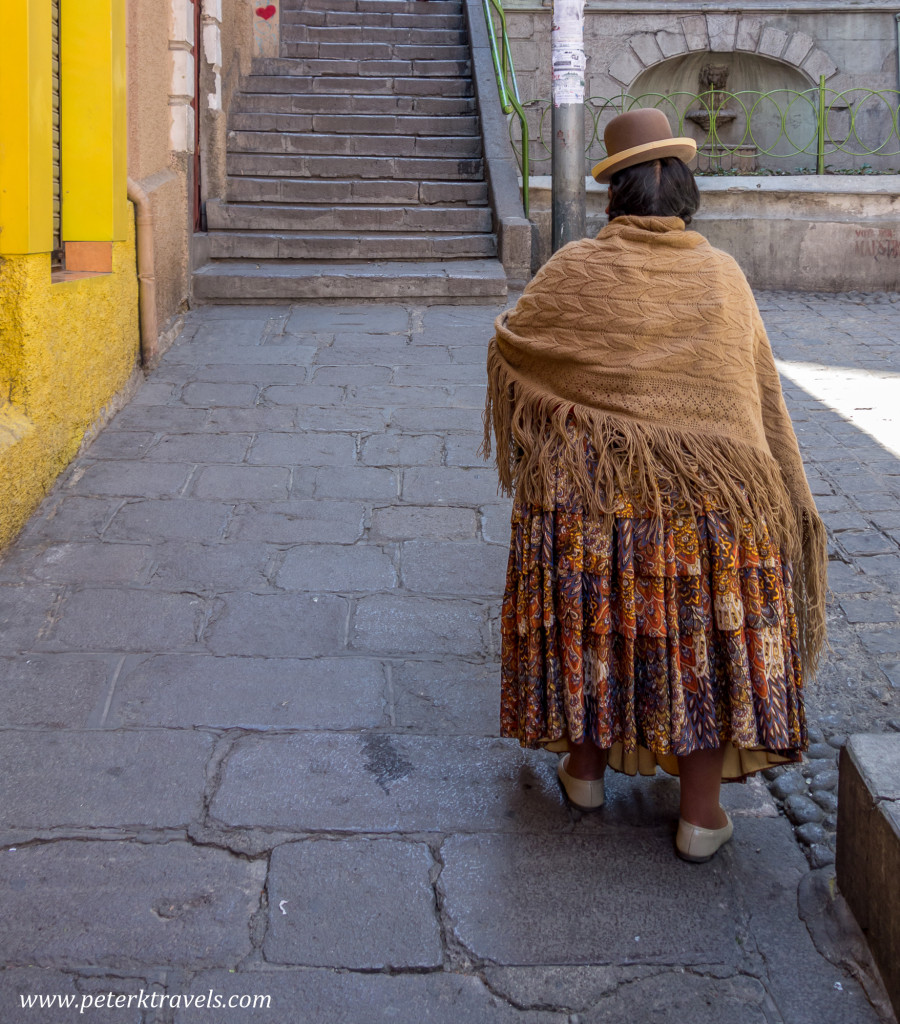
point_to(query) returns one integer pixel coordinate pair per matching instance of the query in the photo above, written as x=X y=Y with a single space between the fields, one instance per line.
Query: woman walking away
x=665 y=597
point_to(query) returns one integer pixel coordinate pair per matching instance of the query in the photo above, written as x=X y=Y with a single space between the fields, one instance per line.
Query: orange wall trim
x=93 y=257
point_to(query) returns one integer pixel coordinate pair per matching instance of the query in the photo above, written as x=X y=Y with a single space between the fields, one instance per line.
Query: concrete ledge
x=800 y=233
x=868 y=847
x=262 y=281
x=513 y=229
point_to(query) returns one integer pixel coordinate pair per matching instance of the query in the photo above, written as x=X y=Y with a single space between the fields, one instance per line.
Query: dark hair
x=657 y=188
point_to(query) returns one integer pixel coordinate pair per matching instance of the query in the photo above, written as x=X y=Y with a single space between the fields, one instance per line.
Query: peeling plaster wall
x=160 y=137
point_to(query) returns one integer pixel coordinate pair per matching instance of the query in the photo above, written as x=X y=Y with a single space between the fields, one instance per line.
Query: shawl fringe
x=644 y=462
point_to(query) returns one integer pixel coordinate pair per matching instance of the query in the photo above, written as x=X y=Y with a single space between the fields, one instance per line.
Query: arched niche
x=764 y=132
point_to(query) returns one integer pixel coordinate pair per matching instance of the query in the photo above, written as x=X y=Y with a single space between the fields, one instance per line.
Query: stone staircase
x=354 y=163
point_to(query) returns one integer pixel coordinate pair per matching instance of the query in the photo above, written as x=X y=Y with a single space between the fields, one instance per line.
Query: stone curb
x=868 y=846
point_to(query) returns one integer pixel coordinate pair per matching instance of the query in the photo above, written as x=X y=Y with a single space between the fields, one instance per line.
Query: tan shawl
x=651 y=339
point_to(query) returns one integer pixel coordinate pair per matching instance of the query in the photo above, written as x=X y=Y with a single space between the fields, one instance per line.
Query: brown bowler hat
x=638 y=136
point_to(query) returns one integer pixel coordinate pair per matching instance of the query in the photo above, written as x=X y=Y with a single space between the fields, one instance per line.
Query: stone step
x=355 y=19
x=344 y=167
x=240 y=281
x=446 y=107
x=308 y=245
x=376 y=34
x=371 y=52
x=459 y=147
x=364 y=68
x=355 y=124
x=307 y=191
x=408 y=7
x=358 y=84
x=269 y=217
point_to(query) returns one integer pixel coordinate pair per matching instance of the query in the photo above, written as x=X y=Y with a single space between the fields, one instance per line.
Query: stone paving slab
x=208 y=568
x=26 y=614
x=29 y=982
x=358 y=903
x=199 y=690
x=116 y=619
x=387 y=783
x=409 y=522
x=614 y=898
x=341 y=568
x=178 y=519
x=410 y=625
x=126 y=904
x=324 y=628
x=447 y=696
x=707 y=993
x=285 y=625
x=337 y=997
x=456 y=567
x=320 y=449
x=147 y=778
x=58 y=691
x=299 y=521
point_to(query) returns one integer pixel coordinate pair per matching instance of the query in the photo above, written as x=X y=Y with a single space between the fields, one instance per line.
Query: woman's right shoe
x=698 y=845
x=585 y=794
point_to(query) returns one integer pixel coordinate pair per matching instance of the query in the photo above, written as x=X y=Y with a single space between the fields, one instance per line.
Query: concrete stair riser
x=251 y=281
x=319 y=144
x=348 y=104
x=311 y=190
x=349 y=19
x=374 y=34
x=393 y=218
x=356 y=124
x=358 y=84
x=407 y=7
x=266 y=165
x=341 y=51
x=252 y=245
x=375 y=67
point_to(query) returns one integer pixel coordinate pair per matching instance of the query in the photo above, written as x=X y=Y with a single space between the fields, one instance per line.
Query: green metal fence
x=739 y=130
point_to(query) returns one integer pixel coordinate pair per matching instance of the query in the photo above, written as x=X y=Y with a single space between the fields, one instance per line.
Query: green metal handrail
x=820 y=105
x=508 y=88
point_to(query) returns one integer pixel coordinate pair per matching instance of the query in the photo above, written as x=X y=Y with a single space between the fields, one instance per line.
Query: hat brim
x=685 y=149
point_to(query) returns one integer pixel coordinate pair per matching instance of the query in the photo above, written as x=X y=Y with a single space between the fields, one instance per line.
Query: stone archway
x=721 y=33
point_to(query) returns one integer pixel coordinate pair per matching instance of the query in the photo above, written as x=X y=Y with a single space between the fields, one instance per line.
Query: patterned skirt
x=654 y=638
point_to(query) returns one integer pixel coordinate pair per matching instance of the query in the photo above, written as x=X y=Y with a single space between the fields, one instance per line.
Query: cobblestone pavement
x=249 y=685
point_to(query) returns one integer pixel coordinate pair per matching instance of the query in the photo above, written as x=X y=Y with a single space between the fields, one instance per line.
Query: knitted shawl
x=647 y=341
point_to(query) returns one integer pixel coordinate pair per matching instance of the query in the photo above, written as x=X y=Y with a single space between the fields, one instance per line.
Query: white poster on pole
x=567 y=51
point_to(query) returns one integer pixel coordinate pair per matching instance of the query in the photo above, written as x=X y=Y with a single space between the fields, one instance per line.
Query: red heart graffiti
x=267 y=12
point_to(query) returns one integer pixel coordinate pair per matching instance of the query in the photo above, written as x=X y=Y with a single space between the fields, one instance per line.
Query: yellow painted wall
x=78 y=344
x=68 y=345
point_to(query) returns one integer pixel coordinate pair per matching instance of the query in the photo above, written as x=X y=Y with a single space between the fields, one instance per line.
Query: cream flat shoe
x=557 y=746
x=698 y=845
x=585 y=794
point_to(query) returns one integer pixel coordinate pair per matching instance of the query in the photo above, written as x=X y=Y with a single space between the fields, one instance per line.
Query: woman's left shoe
x=585 y=794
x=698 y=845
x=560 y=746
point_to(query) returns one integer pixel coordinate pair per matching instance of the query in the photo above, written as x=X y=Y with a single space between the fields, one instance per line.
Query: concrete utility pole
x=567 y=121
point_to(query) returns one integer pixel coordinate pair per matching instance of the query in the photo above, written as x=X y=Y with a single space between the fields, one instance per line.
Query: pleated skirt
x=654 y=637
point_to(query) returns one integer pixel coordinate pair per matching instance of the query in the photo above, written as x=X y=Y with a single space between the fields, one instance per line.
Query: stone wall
x=829 y=234
x=161 y=137
x=229 y=42
x=623 y=42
